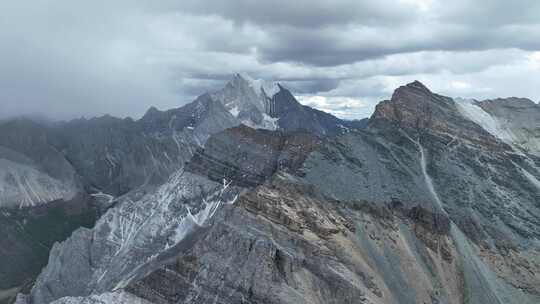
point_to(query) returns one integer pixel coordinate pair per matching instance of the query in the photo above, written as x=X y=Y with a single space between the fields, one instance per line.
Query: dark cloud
x=70 y=58
x=496 y=13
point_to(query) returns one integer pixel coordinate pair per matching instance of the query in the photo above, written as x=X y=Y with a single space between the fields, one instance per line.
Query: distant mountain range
x=246 y=196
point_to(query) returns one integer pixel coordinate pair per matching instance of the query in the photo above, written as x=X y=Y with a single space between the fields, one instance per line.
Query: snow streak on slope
x=157 y=217
x=427 y=178
x=134 y=237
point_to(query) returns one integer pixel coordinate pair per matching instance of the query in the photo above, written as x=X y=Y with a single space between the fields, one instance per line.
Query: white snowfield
x=22 y=186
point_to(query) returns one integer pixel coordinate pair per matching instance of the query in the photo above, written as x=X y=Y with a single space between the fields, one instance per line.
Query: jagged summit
x=260 y=105
x=418 y=85
x=412 y=104
x=415 y=107
x=263 y=87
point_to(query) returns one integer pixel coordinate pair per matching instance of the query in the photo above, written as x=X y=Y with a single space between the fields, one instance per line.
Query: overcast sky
x=71 y=58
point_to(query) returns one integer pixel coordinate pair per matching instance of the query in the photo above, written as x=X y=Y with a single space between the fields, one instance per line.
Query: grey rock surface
x=132 y=238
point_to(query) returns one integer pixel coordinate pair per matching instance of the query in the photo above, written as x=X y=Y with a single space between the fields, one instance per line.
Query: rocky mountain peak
x=238 y=81
x=151 y=114
x=418 y=86
x=415 y=107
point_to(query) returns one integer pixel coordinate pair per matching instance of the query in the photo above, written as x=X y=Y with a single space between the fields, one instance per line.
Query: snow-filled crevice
x=427 y=179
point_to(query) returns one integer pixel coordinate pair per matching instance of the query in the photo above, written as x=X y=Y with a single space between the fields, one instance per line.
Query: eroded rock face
x=415 y=107
x=282 y=243
x=248 y=157
x=132 y=238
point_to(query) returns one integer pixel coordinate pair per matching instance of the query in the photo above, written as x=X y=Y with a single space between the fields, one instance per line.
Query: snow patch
x=270 y=123
x=234 y=111
x=469 y=109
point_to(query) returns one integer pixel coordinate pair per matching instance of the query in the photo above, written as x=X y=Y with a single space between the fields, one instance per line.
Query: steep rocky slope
x=513 y=120
x=84 y=165
x=424 y=205
x=427 y=194
x=32 y=170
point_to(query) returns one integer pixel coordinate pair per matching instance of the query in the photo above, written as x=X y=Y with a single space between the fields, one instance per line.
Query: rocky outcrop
x=414 y=106
x=248 y=157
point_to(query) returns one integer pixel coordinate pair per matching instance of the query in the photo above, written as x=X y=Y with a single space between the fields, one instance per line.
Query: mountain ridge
x=321 y=214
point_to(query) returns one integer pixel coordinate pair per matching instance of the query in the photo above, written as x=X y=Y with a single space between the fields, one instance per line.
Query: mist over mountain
x=270 y=152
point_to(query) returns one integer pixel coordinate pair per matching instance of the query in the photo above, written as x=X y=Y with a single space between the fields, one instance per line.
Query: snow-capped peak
x=247 y=100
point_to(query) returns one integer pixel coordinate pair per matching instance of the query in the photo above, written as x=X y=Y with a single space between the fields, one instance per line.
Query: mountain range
x=246 y=196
